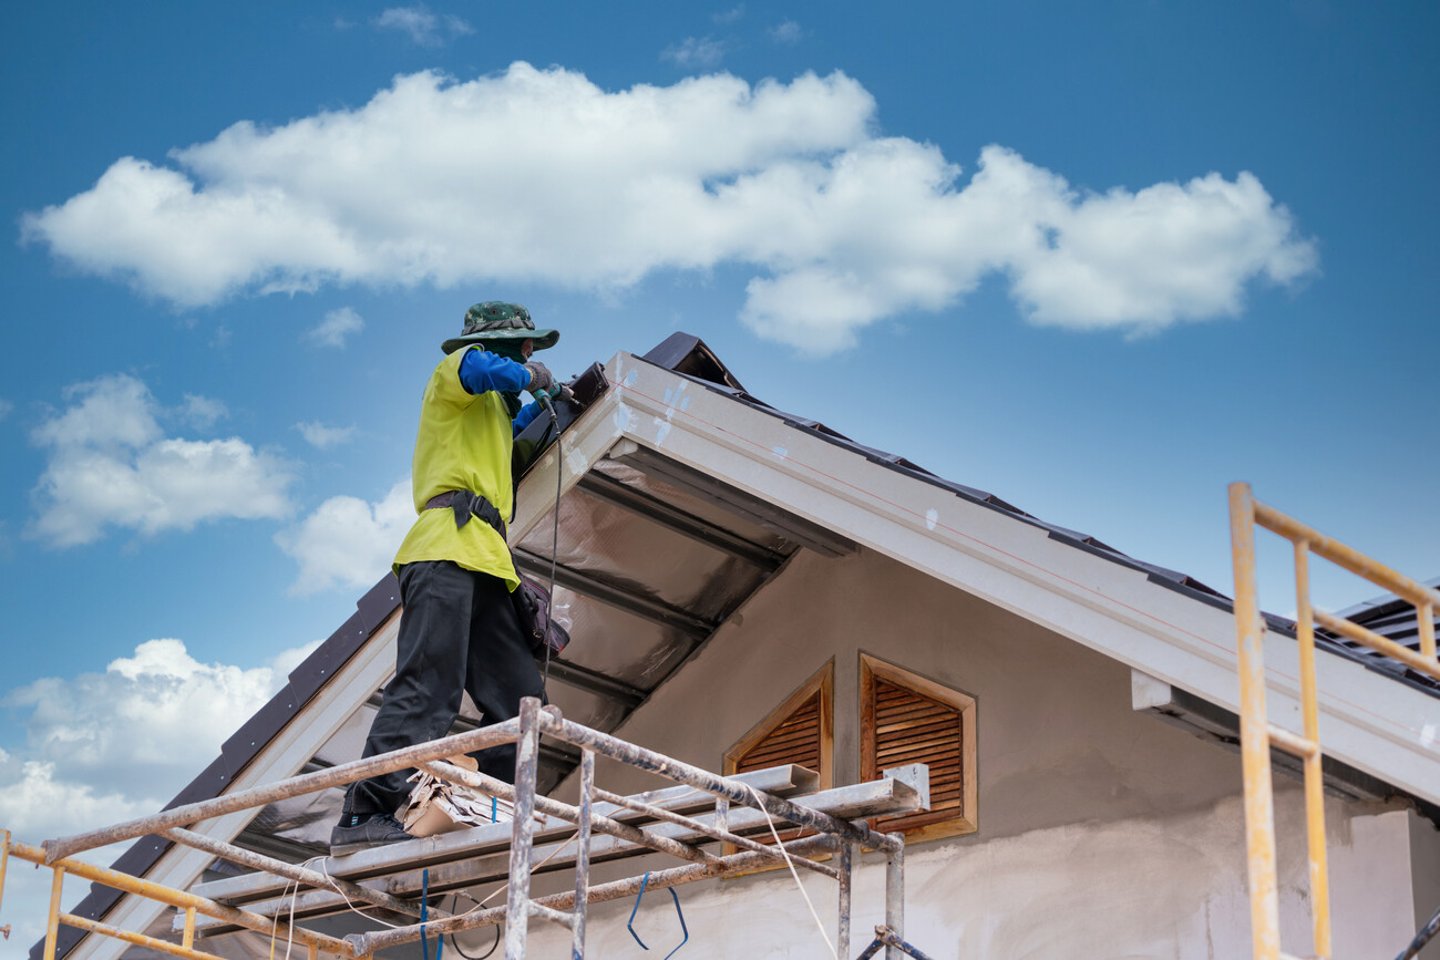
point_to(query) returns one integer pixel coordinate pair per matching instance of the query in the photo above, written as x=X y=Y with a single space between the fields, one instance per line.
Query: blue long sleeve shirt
x=482 y=371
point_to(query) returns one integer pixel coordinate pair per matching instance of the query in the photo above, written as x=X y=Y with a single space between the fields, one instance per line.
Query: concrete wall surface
x=1160 y=888
x=1102 y=832
x=1425 y=876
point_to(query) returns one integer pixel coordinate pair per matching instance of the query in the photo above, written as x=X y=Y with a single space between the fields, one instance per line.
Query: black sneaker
x=377 y=831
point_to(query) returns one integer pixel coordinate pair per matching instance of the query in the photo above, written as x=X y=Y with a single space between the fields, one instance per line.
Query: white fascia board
x=587 y=440
x=1369 y=721
x=314 y=724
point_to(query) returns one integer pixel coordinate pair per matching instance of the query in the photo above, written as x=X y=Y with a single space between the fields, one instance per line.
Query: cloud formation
x=323 y=437
x=423 y=26
x=598 y=189
x=787 y=32
x=110 y=465
x=692 y=53
x=202 y=412
x=347 y=541
x=124 y=741
x=336 y=328
x=103 y=747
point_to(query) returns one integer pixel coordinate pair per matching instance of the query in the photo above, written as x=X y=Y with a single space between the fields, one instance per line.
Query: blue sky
x=1100 y=259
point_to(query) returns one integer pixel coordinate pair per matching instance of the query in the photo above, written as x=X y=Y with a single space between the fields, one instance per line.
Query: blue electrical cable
x=630 y=924
x=425 y=915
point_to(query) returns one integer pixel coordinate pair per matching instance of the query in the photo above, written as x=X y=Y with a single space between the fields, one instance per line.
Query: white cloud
x=347 y=541
x=336 y=327
x=695 y=52
x=597 y=189
x=202 y=412
x=110 y=465
x=423 y=26
x=6 y=408
x=322 y=437
x=126 y=740
x=729 y=16
x=104 y=747
x=787 y=32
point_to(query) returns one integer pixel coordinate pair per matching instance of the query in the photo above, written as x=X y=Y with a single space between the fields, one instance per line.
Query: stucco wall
x=1160 y=888
x=1425 y=874
x=1102 y=832
x=1057 y=740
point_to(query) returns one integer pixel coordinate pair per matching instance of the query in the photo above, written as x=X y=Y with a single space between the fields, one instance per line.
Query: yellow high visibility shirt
x=463 y=443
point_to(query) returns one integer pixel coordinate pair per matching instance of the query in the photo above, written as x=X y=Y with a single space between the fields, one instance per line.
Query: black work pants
x=458 y=632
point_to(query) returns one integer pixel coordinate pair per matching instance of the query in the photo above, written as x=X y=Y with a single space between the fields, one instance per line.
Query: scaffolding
x=1258 y=735
x=679 y=821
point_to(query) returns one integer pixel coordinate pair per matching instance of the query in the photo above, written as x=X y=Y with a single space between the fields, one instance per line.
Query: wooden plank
x=490 y=863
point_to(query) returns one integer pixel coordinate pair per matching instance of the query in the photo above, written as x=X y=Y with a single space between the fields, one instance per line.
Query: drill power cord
x=549 y=407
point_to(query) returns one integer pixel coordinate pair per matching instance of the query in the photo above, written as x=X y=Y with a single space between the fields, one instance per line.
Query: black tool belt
x=467 y=504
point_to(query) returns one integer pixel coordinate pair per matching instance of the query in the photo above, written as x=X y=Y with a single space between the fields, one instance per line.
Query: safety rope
x=770 y=822
x=290 y=926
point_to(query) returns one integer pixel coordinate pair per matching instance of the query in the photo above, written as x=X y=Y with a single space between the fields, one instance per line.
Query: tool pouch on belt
x=532 y=609
x=532 y=604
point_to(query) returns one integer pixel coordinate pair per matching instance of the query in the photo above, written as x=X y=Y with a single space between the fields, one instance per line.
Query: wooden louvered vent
x=908 y=719
x=795 y=740
x=800 y=731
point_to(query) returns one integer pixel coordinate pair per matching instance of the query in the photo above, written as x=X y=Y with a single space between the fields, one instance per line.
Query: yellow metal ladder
x=1257 y=735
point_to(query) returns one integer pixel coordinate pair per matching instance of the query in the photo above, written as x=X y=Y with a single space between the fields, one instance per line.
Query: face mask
x=509 y=349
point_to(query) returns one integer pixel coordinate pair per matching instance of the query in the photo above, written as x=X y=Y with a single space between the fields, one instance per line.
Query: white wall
x=1425 y=875
x=1103 y=833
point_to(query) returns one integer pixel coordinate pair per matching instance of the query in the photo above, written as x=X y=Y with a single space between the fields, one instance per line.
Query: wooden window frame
x=937 y=824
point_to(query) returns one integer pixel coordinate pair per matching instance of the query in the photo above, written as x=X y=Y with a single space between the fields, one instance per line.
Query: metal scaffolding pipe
x=1378 y=643
x=522 y=829
x=335 y=776
x=1342 y=555
x=582 y=852
x=836 y=835
x=734 y=790
x=1314 y=771
x=291 y=871
x=895 y=898
x=705 y=829
x=565 y=811
x=139 y=939
x=847 y=880
x=369 y=943
x=181 y=899
x=1254 y=730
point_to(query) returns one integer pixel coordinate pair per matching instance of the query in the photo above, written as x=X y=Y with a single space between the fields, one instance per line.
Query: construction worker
x=458 y=631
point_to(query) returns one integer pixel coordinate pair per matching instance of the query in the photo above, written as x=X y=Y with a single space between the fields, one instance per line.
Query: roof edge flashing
x=688 y=354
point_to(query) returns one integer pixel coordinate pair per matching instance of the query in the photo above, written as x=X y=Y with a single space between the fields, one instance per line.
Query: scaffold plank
x=786 y=780
x=487 y=862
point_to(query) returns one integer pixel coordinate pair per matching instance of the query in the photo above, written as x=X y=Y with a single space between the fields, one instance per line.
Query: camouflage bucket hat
x=496 y=320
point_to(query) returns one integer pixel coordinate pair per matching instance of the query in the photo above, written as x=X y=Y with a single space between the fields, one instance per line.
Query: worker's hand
x=540 y=377
x=559 y=391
